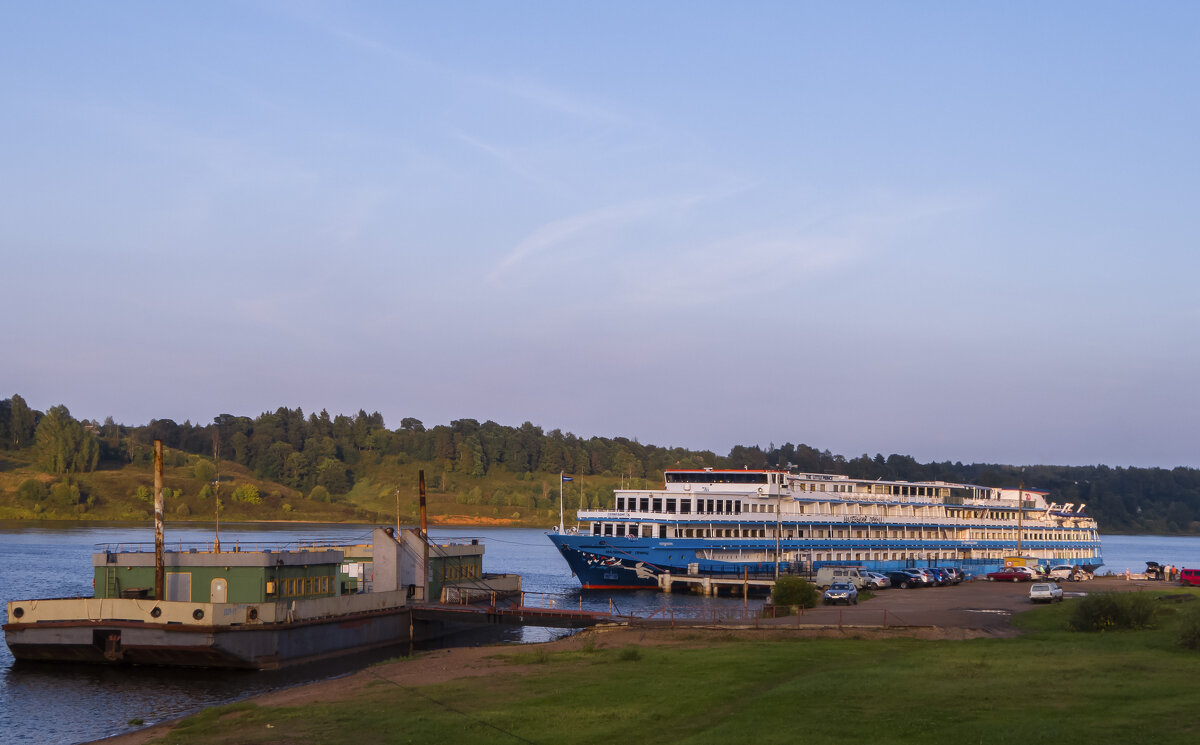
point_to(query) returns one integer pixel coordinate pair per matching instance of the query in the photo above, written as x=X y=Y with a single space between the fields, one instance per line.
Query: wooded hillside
x=283 y=465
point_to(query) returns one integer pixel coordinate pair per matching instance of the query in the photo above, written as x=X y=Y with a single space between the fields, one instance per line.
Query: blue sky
x=956 y=231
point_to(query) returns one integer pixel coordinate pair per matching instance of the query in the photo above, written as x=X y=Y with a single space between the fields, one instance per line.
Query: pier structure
x=711 y=585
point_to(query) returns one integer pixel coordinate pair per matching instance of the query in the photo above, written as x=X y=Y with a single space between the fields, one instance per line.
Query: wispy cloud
x=512 y=160
x=564 y=233
x=830 y=240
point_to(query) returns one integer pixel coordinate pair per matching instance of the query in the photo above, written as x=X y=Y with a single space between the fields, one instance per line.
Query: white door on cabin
x=219 y=590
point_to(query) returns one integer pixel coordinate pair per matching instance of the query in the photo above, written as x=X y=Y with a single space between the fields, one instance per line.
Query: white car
x=1067 y=573
x=1045 y=592
x=875 y=580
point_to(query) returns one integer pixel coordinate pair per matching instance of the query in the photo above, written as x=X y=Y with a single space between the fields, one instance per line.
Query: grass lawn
x=1050 y=685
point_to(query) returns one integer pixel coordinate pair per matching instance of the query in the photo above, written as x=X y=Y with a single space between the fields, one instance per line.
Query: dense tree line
x=323 y=455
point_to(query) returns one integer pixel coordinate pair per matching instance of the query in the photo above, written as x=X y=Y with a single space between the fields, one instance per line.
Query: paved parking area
x=978 y=605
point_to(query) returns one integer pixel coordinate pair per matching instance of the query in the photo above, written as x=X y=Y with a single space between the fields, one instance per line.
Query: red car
x=1011 y=574
x=1189 y=577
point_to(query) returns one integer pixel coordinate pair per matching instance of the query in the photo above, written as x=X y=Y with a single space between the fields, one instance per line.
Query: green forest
x=284 y=465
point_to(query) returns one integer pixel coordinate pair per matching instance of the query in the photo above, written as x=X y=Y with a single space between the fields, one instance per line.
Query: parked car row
x=925 y=577
x=1013 y=574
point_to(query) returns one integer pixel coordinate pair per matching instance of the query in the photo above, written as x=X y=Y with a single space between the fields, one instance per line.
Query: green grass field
x=1049 y=686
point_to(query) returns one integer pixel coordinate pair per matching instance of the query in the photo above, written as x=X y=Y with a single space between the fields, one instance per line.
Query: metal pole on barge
x=424 y=534
x=159 y=572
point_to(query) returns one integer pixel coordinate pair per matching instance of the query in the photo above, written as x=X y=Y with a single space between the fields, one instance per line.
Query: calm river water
x=74 y=703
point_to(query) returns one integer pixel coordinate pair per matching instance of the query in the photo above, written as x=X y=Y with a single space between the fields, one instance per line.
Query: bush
x=319 y=494
x=791 y=591
x=247 y=493
x=1189 y=629
x=1113 y=611
x=32 y=490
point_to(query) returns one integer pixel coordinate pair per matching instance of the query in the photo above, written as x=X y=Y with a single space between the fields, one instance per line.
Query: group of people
x=1166 y=572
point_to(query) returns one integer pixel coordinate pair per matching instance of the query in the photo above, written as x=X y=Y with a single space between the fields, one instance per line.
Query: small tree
x=32 y=490
x=791 y=591
x=247 y=493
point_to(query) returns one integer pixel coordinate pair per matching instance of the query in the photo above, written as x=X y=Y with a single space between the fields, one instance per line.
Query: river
x=72 y=703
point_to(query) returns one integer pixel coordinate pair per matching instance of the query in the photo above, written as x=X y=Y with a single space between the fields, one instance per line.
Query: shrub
x=1112 y=611
x=630 y=654
x=32 y=490
x=204 y=471
x=247 y=493
x=183 y=510
x=791 y=591
x=1189 y=629
x=319 y=494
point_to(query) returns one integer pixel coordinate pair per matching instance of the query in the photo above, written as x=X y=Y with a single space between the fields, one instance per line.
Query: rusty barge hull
x=256 y=647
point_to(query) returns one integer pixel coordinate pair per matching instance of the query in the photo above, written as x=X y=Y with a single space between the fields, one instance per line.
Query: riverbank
x=639 y=683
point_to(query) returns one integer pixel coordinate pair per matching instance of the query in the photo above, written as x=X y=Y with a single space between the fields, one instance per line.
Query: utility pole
x=217 y=489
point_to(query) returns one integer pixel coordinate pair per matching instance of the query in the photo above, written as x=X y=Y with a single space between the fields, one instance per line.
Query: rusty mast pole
x=159 y=572
x=424 y=534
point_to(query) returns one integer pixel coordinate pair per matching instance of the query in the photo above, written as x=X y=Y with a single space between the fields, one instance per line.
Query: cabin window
x=620 y=504
x=657 y=505
x=633 y=531
x=608 y=529
x=685 y=506
x=645 y=504
x=671 y=505
x=620 y=529
x=595 y=528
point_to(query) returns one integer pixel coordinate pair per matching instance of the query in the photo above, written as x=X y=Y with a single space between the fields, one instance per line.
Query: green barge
x=254 y=608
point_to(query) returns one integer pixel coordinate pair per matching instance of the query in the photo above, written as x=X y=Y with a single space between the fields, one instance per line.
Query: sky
x=957 y=231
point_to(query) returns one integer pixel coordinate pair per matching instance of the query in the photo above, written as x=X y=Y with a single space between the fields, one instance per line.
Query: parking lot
x=979 y=606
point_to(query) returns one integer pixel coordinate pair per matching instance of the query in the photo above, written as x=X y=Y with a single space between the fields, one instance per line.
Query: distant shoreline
x=453 y=521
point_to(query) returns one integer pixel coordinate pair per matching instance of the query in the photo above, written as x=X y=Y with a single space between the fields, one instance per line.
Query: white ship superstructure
x=737 y=521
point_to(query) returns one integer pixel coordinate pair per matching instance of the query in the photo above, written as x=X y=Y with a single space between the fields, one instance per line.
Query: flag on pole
x=567 y=478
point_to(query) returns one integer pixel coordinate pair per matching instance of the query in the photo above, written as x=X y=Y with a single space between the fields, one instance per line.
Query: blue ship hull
x=619 y=563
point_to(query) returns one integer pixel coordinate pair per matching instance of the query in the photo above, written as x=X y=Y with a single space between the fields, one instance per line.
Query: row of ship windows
x=689 y=506
x=305 y=586
x=634 y=530
x=900 y=555
x=701 y=506
x=458 y=571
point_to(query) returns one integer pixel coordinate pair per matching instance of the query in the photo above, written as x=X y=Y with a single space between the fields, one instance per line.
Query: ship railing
x=195 y=547
x=841 y=519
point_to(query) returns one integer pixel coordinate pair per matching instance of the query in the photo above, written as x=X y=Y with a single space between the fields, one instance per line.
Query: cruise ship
x=714 y=522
